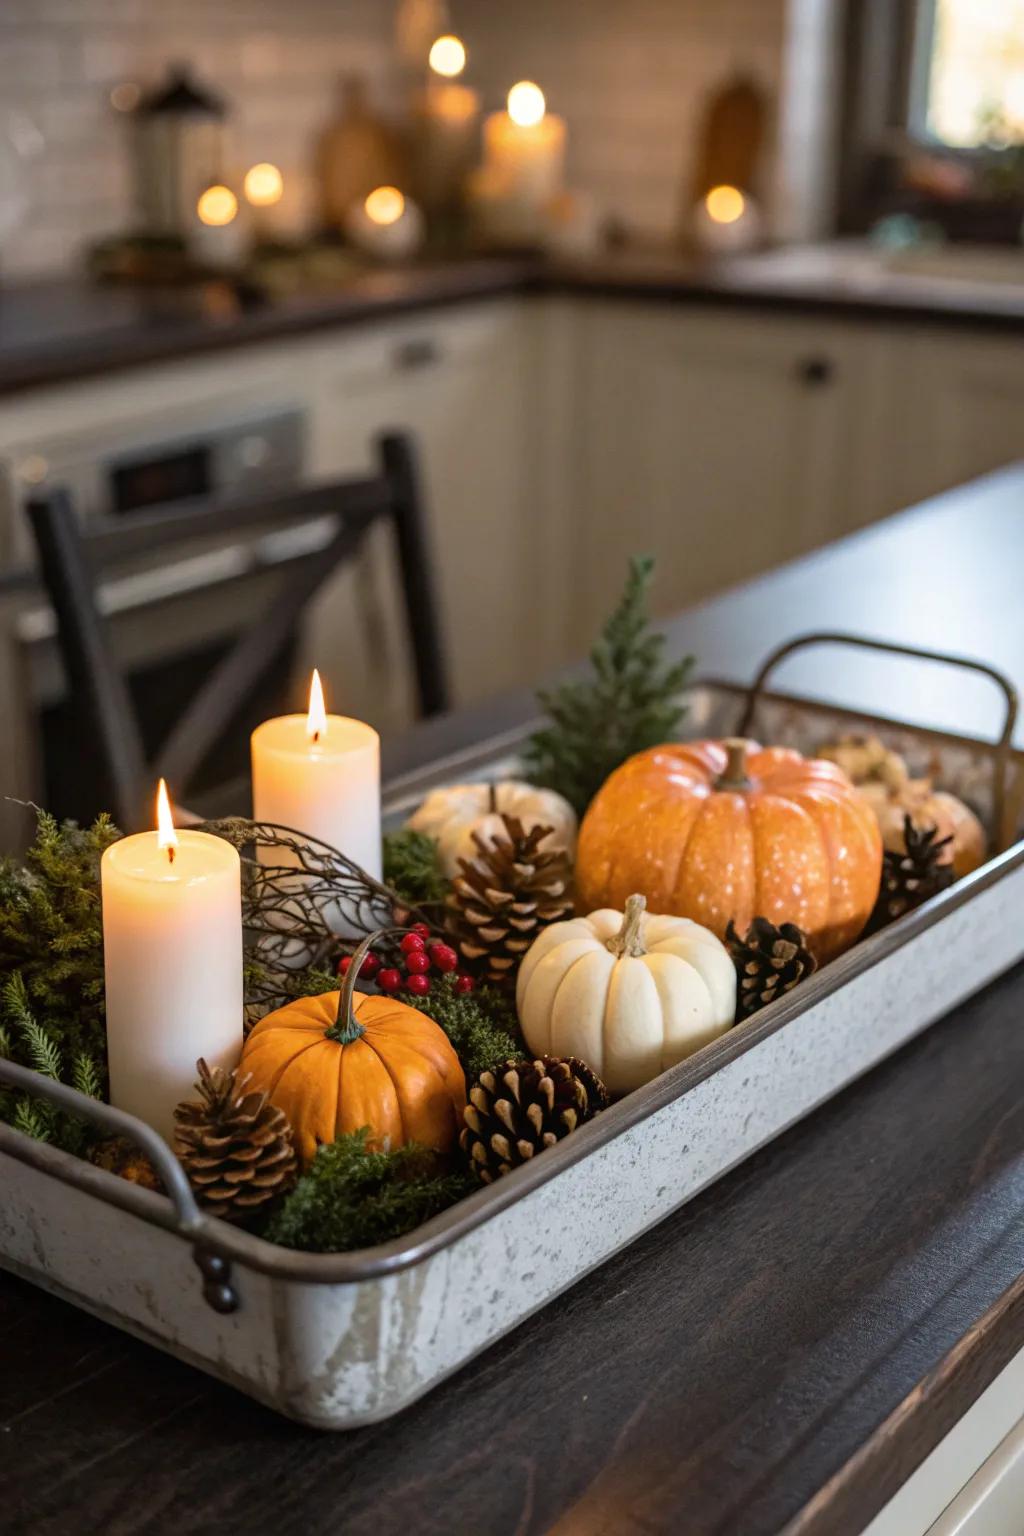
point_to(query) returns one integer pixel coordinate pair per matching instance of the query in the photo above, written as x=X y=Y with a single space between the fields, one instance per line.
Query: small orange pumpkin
x=337 y=1062
x=716 y=830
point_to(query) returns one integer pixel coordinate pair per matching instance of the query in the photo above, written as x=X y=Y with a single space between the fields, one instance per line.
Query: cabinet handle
x=816 y=372
x=416 y=354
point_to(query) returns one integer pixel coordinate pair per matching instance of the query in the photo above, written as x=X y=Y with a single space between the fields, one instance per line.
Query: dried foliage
x=297 y=894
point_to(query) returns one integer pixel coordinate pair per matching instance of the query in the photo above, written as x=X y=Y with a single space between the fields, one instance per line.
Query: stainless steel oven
x=173 y=616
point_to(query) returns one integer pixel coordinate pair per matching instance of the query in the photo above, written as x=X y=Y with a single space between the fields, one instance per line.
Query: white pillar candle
x=320 y=774
x=172 y=947
x=524 y=147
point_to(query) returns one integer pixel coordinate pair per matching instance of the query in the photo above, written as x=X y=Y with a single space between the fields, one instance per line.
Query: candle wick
x=316 y=738
x=170 y=854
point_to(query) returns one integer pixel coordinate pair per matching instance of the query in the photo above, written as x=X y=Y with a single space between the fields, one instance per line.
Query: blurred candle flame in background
x=385 y=205
x=725 y=204
x=448 y=56
x=526 y=104
x=217 y=206
x=264 y=185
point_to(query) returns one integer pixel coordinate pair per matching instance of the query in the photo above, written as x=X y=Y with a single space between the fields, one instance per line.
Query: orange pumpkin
x=716 y=830
x=385 y=1066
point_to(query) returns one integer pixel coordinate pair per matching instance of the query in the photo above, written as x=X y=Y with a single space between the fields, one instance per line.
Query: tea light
x=219 y=236
x=387 y=225
x=320 y=774
x=172 y=951
x=727 y=222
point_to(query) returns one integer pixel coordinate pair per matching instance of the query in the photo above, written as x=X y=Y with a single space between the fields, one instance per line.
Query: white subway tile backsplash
x=631 y=76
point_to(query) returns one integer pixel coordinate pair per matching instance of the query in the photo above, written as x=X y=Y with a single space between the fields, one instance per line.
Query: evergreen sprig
x=41 y=1050
x=51 y=932
x=412 y=867
x=630 y=702
x=354 y=1197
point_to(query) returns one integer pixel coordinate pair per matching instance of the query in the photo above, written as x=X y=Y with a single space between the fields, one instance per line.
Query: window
x=968 y=73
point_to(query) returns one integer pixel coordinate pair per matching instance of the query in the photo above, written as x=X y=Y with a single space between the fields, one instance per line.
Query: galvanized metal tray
x=337 y=1341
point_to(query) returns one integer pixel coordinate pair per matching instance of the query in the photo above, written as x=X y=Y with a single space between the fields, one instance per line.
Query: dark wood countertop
x=780 y=1354
x=57 y=332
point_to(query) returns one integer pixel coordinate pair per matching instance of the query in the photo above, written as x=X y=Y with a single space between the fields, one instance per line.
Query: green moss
x=481 y=1025
x=353 y=1197
x=412 y=867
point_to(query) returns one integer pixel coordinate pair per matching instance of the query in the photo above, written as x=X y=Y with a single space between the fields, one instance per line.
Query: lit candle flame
x=217 y=206
x=526 y=104
x=316 y=720
x=263 y=185
x=166 y=837
x=725 y=204
x=448 y=56
x=385 y=205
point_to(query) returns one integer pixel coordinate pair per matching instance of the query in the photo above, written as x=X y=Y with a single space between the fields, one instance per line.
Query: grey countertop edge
x=146 y=328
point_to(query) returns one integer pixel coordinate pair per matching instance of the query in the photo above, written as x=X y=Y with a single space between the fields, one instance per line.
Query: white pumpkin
x=451 y=815
x=631 y=994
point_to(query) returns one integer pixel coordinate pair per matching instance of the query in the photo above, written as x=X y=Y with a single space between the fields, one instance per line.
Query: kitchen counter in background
x=567 y=416
x=779 y=1355
x=61 y=331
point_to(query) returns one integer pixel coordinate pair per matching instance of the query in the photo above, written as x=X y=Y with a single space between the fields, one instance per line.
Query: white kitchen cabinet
x=721 y=442
x=462 y=383
x=959 y=401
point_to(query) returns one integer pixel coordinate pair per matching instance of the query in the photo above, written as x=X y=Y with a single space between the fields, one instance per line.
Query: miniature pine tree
x=631 y=701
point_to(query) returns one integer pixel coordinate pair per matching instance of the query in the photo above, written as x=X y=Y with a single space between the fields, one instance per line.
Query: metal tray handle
x=1000 y=748
x=215 y=1269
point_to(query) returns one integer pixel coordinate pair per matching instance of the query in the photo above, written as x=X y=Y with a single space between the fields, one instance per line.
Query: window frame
x=887 y=55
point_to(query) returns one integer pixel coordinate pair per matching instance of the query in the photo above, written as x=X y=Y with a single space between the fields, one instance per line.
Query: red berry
x=369 y=967
x=421 y=929
x=389 y=980
x=416 y=962
x=411 y=943
x=419 y=985
x=464 y=984
x=443 y=957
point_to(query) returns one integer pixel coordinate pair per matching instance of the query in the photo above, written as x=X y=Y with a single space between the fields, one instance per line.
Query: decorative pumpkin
x=928 y=807
x=884 y=781
x=629 y=994
x=343 y=1060
x=453 y=814
x=716 y=831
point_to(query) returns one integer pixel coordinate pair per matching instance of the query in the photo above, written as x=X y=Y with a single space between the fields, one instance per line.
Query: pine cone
x=502 y=899
x=236 y=1147
x=912 y=875
x=769 y=962
x=523 y=1107
x=118 y=1155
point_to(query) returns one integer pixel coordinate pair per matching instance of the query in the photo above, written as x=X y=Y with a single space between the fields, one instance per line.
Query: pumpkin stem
x=346 y=1026
x=492 y=798
x=735 y=775
x=627 y=941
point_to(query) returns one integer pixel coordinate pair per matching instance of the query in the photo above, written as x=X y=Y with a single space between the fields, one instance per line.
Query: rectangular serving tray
x=343 y=1340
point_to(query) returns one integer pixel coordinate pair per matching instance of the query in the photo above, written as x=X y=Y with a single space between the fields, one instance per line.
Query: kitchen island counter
x=779 y=1355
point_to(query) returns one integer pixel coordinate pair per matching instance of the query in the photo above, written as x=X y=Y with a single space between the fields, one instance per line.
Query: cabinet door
x=459 y=383
x=963 y=398
x=717 y=442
